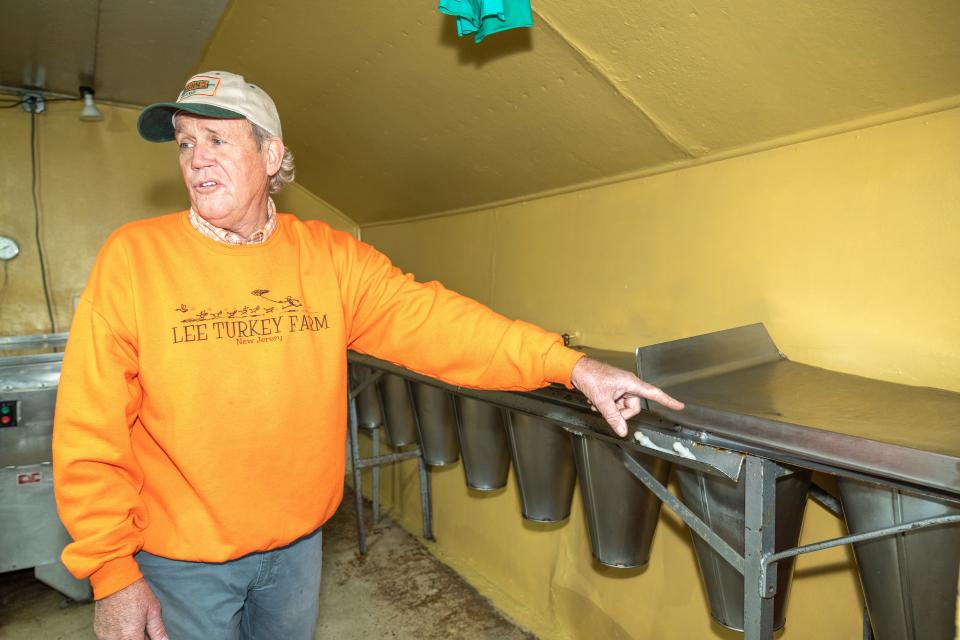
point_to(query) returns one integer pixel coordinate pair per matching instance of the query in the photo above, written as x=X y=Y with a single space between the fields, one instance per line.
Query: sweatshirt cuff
x=114 y=575
x=559 y=363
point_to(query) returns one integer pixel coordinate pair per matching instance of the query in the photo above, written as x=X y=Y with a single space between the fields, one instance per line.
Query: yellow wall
x=846 y=247
x=94 y=177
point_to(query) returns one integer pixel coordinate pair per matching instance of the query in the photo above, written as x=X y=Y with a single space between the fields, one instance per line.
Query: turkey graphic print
x=269 y=319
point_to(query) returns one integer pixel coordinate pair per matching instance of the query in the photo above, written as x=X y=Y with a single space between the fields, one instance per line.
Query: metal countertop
x=743 y=394
x=737 y=385
x=814 y=398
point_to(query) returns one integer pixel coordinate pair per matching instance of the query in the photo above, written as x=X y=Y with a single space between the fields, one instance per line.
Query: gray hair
x=287 y=171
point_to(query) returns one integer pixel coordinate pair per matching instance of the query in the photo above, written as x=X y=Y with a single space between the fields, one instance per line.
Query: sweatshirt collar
x=229 y=237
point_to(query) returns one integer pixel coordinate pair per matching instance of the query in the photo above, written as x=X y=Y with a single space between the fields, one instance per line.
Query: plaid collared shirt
x=229 y=237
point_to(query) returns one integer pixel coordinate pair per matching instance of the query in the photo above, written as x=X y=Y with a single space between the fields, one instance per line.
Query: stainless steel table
x=755 y=421
x=737 y=385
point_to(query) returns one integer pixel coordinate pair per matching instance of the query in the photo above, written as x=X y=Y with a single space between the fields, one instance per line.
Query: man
x=199 y=433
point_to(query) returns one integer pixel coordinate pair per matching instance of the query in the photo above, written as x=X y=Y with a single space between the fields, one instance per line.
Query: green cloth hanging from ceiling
x=483 y=17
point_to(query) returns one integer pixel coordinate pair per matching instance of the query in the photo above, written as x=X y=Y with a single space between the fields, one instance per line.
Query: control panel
x=8 y=413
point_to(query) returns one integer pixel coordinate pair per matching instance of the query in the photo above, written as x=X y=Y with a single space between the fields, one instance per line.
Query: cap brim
x=156 y=121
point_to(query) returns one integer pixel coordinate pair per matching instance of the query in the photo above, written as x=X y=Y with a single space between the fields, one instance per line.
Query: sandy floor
x=397 y=591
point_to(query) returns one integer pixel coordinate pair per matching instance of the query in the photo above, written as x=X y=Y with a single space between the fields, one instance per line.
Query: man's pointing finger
x=658 y=395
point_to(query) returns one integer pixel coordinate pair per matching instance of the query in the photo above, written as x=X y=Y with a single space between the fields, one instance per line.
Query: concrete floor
x=397 y=591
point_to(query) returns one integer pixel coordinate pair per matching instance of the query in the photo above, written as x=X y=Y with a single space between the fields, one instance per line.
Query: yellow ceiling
x=129 y=51
x=392 y=116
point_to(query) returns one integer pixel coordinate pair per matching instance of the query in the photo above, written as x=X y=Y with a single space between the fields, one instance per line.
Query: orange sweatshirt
x=201 y=412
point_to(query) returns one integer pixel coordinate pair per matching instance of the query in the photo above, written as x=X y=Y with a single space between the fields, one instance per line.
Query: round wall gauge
x=8 y=248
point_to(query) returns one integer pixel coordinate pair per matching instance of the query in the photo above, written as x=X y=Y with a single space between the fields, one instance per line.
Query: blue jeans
x=262 y=596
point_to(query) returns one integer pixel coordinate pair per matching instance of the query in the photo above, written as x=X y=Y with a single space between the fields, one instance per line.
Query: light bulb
x=89 y=112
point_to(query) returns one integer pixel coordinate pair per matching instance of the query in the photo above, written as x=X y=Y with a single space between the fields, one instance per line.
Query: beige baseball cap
x=215 y=94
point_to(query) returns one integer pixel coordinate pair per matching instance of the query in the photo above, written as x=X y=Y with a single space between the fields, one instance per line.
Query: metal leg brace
x=375 y=489
x=357 y=464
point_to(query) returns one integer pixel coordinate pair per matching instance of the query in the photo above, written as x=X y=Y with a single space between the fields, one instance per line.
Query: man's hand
x=133 y=613
x=616 y=393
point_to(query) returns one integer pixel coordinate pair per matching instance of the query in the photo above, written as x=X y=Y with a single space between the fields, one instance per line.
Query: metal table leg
x=426 y=503
x=375 y=489
x=760 y=505
x=355 y=463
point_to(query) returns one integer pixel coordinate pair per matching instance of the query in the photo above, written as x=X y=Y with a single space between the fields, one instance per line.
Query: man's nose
x=202 y=156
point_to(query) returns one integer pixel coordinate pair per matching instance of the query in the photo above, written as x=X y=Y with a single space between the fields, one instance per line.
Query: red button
x=5 y=420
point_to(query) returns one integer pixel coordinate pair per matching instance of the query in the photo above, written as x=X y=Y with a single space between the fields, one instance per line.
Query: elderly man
x=199 y=434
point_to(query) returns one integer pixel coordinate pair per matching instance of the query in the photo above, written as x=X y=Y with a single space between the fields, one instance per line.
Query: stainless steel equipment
x=909 y=580
x=621 y=513
x=720 y=504
x=483 y=444
x=543 y=466
x=739 y=388
x=31 y=535
x=436 y=424
x=401 y=422
x=753 y=418
x=369 y=411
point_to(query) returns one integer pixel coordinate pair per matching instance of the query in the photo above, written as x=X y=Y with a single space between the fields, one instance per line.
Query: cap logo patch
x=200 y=86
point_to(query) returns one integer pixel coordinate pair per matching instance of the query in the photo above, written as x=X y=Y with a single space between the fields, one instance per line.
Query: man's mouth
x=206 y=185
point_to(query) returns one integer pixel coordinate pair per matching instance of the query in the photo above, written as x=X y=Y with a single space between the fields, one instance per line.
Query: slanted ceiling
x=392 y=116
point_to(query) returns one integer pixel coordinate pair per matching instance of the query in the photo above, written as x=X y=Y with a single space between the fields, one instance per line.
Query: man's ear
x=273 y=151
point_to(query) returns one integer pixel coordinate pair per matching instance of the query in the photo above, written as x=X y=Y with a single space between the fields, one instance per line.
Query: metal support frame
x=375 y=448
x=357 y=464
x=819 y=495
x=760 y=579
x=375 y=488
x=759 y=562
x=684 y=513
x=862 y=537
x=760 y=507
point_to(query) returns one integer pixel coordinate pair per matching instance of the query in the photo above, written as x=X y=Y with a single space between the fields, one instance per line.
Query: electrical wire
x=3 y=285
x=36 y=216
